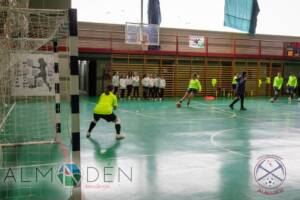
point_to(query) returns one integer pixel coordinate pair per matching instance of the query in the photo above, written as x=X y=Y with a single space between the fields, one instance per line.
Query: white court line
x=291 y=114
x=187 y=120
x=7 y=115
x=231 y=112
x=138 y=113
x=212 y=141
x=224 y=131
x=158 y=117
x=260 y=107
x=179 y=120
x=227 y=112
x=193 y=119
x=263 y=107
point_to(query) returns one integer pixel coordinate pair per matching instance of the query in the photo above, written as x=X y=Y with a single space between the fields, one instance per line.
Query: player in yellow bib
x=277 y=85
x=193 y=88
x=234 y=83
x=104 y=109
x=292 y=85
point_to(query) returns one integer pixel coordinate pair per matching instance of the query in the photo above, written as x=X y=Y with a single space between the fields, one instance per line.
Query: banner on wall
x=33 y=75
x=196 y=41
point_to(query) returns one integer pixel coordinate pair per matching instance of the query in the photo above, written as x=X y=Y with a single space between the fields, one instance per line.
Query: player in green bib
x=292 y=85
x=277 y=85
x=193 y=88
x=104 y=109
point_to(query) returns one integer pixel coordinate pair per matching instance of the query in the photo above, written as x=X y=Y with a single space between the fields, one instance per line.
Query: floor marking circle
x=212 y=140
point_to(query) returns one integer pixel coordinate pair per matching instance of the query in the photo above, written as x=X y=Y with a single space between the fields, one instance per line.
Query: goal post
x=39 y=89
x=30 y=89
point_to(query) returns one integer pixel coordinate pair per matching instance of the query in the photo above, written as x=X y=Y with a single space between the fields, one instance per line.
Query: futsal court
x=55 y=63
x=205 y=151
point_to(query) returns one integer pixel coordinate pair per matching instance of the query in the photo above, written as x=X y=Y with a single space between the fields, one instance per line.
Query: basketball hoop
x=145 y=45
x=145 y=41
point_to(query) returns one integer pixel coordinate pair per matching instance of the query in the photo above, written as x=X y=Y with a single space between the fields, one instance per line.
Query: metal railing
x=98 y=41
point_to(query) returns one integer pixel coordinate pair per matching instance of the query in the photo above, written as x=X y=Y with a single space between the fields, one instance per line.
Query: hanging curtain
x=154 y=17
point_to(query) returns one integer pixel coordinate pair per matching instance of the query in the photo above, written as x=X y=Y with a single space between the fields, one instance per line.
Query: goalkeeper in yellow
x=104 y=110
x=193 y=88
x=277 y=85
x=292 y=85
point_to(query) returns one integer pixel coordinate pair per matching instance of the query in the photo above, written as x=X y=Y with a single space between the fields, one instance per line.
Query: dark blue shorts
x=290 y=89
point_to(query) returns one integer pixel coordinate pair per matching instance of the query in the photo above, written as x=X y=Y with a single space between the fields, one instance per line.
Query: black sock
x=92 y=125
x=118 y=128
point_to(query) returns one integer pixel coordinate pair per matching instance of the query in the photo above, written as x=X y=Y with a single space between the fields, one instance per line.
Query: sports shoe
x=231 y=107
x=120 y=136
x=243 y=109
x=178 y=105
x=88 y=134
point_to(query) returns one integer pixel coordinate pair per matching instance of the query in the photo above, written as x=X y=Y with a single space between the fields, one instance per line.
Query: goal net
x=34 y=96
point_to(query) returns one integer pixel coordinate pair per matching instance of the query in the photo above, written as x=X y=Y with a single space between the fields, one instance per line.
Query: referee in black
x=240 y=90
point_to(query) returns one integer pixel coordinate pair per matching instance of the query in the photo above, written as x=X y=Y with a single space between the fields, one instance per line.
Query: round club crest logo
x=270 y=174
x=69 y=175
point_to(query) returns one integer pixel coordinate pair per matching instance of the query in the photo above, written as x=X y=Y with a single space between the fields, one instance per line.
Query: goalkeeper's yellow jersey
x=106 y=104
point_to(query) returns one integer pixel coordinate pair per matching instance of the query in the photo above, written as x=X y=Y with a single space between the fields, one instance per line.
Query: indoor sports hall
x=136 y=100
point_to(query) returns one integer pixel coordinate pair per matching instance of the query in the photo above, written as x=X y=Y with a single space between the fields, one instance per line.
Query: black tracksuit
x=240 y=91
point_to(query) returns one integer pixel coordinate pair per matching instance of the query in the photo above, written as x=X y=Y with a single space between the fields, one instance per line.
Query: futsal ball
x=178 y=105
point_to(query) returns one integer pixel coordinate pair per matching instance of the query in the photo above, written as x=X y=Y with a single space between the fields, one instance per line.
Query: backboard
x=146 y=34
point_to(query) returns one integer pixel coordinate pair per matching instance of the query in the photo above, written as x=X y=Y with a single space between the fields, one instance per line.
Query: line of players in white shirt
x=153 y=85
